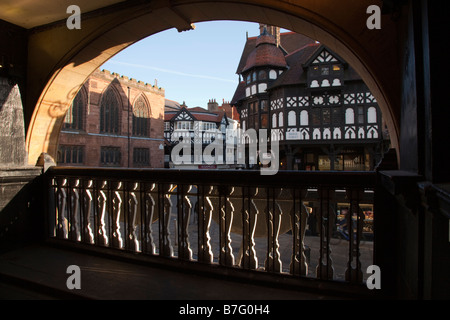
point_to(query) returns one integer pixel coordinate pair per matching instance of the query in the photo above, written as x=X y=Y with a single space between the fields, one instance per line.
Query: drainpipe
x=129 y=133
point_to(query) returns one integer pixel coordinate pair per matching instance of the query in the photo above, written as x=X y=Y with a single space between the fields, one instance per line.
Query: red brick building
x=114 y=121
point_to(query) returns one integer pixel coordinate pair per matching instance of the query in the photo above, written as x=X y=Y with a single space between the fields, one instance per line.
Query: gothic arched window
x=75 y=114
x=141 y=118
x=109 y=112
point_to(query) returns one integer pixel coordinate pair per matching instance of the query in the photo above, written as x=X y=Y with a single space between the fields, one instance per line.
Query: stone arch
x=71 y=56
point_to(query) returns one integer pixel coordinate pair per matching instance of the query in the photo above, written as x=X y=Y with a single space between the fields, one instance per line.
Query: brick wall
x=90 y=137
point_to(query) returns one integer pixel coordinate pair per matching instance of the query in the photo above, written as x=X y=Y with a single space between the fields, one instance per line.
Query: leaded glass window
x=109 y=113
x=141 y=118
x=74 y=116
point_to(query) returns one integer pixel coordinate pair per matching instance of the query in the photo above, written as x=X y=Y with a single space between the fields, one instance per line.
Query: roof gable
x=323 y=55
x=183 y=114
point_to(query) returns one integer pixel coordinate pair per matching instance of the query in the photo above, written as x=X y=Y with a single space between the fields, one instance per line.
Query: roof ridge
x=304 y=47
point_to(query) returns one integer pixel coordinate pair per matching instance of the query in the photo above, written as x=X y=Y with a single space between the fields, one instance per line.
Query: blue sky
x=193 y=66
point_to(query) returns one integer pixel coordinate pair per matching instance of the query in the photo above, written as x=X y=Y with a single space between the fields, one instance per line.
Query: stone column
x=12 y=130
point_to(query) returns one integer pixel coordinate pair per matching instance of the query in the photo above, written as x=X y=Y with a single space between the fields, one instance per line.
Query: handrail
x=283 y=178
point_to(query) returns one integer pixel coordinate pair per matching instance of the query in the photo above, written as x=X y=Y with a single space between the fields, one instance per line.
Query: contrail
x=169 y=71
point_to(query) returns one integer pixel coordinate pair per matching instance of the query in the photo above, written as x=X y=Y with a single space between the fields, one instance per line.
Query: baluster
x=205 y=211
x=184 y=213
x=355 y=220
x=249 y=220
x=74 y=231
x=116 y=238
x=273 y=262
x=325 y=268
x=87 y=200
x=149 y=243
x=166 y=248
x=226 y=221
x=61 y=198
x=102 y=201
x=132 y=241
x=299 y=216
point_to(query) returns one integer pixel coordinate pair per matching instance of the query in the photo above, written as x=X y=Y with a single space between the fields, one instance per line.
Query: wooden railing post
x=327 y=218
x=226 y=213
x=273 y=262
x=249 y=220
x=355 y=221
x=299 y=215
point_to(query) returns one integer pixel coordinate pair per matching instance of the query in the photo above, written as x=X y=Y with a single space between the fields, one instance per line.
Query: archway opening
x=91 y=52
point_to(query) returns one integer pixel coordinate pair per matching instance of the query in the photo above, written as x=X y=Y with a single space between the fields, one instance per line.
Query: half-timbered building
x=311 y=101
x=197 y=128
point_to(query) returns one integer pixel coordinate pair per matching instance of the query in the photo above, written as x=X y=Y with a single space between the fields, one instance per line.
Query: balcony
x=287 y=230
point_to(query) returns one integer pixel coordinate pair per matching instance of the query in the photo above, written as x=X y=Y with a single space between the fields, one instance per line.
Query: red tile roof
x=200 y=114
x=289 y=42
x=265 y=53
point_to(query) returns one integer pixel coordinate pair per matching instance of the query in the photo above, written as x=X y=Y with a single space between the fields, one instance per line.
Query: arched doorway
x=76 y=54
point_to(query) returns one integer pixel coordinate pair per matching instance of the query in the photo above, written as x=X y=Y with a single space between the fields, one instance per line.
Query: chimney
x=213 y=105
x=272 y=30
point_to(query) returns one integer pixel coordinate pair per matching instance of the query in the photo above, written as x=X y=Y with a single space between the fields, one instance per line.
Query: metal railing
x=293 y=223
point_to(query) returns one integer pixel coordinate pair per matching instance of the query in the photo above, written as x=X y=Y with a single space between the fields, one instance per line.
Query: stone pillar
x=12 y=130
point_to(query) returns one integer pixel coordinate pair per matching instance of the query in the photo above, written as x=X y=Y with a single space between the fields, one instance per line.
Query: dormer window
x=325 y=71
